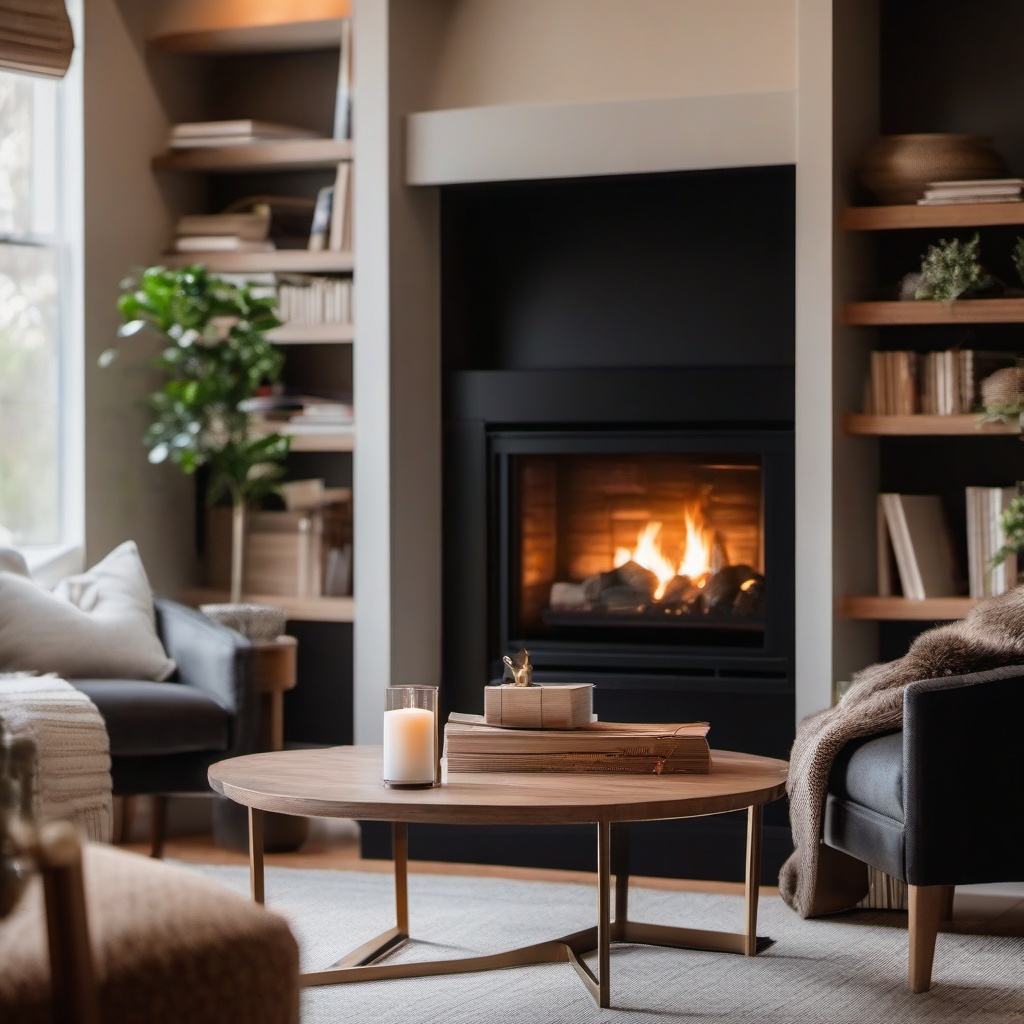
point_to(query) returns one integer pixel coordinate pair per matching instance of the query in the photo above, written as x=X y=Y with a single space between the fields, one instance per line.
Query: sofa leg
x=125 y=818
x=927 y=903
x=158 y=825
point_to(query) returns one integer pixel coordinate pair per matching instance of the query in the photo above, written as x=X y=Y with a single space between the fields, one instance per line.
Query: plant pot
x=896 y=168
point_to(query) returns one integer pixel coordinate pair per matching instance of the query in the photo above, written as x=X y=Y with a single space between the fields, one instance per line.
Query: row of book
x=983 y=190
x=916 y=553
x=470 y=745
x=944 y=383
x=305 y=299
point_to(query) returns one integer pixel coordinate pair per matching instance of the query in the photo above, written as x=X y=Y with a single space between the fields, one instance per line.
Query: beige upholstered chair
x=125 y=938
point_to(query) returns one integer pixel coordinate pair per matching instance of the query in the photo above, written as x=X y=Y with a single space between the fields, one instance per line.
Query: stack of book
x=913 y=534
x=985 y=190
x=985 y=537
x=470 y=745
x=942 y=383
x=224 y=232
x=192 y=134
x=299 y=413
x=303 y=299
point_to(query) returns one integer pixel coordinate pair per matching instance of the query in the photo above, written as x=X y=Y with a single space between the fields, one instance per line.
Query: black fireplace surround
x=633 y=324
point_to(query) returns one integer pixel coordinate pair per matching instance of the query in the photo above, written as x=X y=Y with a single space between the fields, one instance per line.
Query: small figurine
x=518 y=671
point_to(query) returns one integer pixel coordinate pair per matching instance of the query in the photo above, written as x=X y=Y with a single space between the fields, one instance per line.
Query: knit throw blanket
x=817 y=879
x=72 y=777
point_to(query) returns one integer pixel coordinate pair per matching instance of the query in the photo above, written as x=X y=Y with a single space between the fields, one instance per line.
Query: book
x=992 y=190
x=220 y=243
x=321 y=219
x=343 y=98
x=922 y=545
x=252 y=226
x=339 y=236
x=985 y=537
x=236 y=132
x=470 y=745
x=544 y=706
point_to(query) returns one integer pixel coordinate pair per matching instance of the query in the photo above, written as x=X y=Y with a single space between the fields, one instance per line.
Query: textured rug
x=849 y=969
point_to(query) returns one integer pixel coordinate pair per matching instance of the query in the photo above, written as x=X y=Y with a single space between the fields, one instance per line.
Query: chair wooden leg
x=125 y=819
x=158 y=825
x=926 y=907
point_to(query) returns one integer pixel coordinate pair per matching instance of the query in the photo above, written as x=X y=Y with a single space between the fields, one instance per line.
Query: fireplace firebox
x=638 y=545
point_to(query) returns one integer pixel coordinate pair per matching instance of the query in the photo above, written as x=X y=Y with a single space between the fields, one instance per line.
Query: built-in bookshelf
x=303 y=46
x=923 y=312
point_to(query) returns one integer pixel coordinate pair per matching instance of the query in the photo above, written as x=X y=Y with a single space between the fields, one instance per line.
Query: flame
x=648 y=552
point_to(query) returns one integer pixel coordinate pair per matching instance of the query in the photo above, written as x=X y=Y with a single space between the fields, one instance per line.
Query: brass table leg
x=256 y=854
x=612 y=856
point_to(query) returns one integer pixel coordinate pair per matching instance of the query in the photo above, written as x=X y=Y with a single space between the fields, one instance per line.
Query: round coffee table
x=345 y=782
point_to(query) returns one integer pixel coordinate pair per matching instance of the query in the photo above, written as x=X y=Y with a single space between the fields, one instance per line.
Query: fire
x=648 y=552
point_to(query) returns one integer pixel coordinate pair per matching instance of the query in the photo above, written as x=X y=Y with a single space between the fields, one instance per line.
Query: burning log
x=629 y=576
x=681 y=590
x=724 y=587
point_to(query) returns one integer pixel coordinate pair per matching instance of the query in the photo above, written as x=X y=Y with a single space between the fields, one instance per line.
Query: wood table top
x=345 y=782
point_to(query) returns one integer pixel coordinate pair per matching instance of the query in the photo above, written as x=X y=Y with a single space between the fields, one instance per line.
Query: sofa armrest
x=216 y=660
x=964 y=778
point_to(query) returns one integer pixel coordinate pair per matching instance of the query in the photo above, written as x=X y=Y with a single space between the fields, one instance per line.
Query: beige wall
x=126 y=226
x=571 y=51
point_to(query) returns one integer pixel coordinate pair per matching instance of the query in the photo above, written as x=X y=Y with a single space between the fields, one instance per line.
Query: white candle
x=409 y=738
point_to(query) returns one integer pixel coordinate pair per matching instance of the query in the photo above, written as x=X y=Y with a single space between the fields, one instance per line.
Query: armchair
x=939 y=803
x=164 y=736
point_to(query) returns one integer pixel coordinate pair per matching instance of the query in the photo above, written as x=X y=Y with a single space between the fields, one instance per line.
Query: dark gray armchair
x=164 y=736
x=939 y=803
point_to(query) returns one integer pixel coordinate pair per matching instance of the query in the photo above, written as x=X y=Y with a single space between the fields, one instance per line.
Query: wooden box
x=543 y=706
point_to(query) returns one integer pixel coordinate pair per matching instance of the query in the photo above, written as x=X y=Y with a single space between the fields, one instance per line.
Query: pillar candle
x=409 y=738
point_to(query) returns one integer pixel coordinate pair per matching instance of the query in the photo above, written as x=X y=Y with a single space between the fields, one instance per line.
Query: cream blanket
x=817 y=879
x=72 y=750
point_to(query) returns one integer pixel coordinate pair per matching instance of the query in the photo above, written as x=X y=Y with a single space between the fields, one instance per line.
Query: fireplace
x=634 y=544
x=613 y=360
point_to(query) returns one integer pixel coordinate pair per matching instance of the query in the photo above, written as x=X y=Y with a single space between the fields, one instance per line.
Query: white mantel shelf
x=538 y=141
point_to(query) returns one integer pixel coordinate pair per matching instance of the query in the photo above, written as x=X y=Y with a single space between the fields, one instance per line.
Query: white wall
x=127 y=223
x=573 y=51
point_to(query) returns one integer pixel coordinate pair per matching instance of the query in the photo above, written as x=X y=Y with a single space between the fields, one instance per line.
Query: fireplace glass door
x=633 y=546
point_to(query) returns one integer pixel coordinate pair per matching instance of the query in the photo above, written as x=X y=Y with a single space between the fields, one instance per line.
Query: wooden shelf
x=303 y=609
x=968 y=425
x=954 y=215
x=340 y=442
x=900 y=609
x=963 y=311
x=313 y=334
x=284 y=155
x=285 y=261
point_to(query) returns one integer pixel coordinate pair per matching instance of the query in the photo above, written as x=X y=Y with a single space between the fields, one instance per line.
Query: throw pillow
x=99 y=624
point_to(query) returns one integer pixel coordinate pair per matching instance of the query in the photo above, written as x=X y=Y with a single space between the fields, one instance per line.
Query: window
x=36 y=358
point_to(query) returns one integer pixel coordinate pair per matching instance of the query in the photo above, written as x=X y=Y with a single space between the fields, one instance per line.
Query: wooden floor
x=335 y=845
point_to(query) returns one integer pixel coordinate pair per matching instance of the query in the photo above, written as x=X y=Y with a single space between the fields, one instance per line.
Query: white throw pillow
x=99 y=624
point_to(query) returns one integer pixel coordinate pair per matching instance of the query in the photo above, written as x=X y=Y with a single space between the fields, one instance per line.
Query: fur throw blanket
x=817 y=879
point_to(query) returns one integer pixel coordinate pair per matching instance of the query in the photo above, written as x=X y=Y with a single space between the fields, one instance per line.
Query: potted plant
x=215 y=359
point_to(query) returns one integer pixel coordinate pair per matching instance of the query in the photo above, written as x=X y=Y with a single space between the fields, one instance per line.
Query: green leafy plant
x=1018 y=257
x=215 y=359
x=951 y=269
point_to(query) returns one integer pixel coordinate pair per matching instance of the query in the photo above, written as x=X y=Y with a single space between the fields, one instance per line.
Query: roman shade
x=35 y=37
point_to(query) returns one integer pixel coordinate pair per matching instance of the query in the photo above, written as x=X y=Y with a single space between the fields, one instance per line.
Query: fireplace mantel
x=518 y=142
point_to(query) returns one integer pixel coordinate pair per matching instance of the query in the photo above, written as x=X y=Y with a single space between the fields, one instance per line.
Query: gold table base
x=361 y=964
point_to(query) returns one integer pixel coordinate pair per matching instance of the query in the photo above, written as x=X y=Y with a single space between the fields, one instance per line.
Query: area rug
x=848 y=969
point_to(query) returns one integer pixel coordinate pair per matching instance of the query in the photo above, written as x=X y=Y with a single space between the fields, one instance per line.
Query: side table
x=275 y=672
x=275 y=668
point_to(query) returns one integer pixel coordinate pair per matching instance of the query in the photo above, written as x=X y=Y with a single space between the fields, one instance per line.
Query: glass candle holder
x=410 y=737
